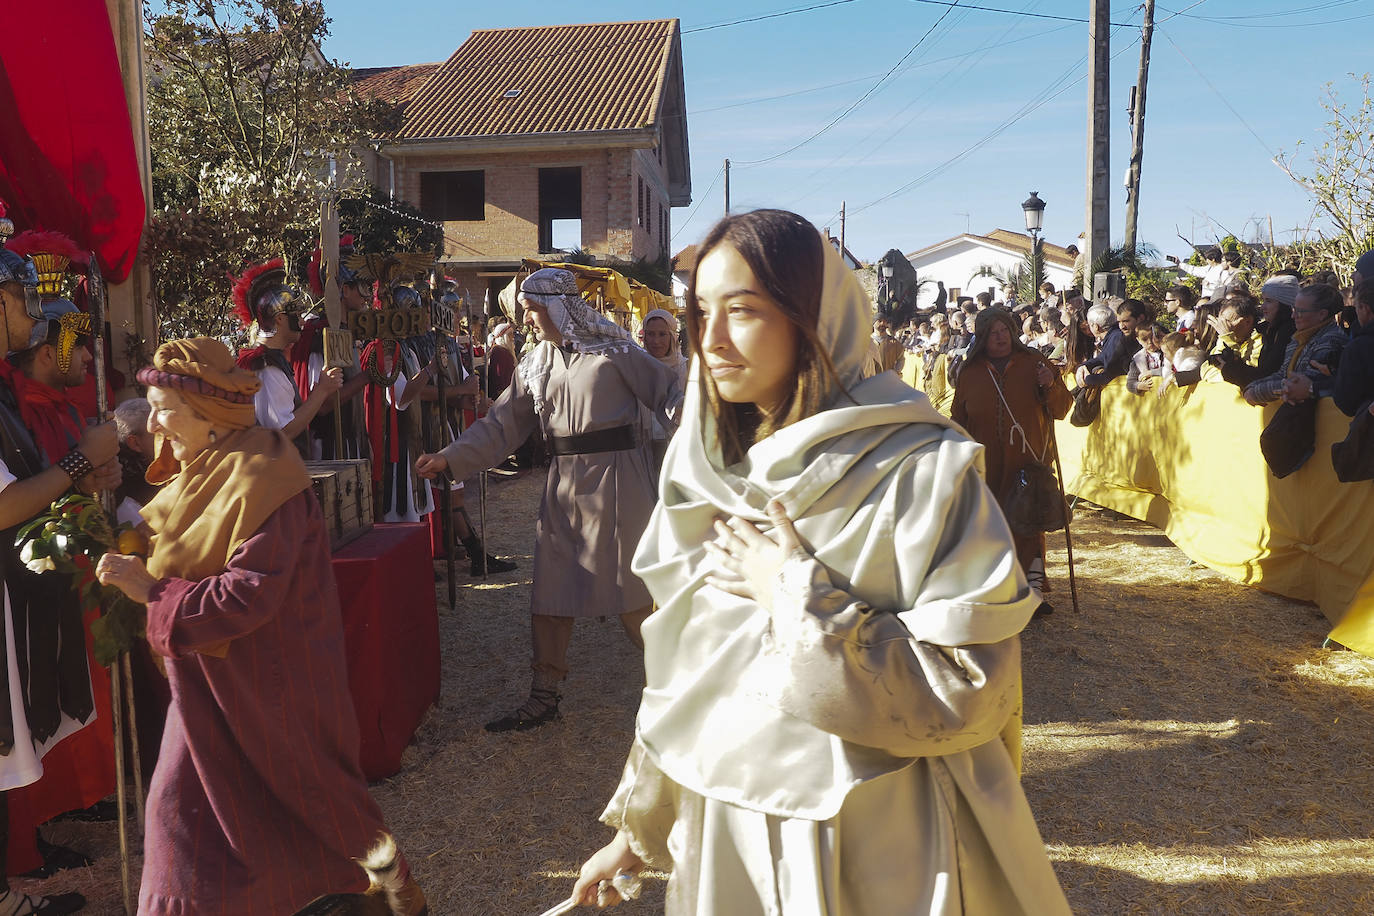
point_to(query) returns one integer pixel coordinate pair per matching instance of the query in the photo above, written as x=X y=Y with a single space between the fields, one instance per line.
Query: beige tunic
x=595 y=506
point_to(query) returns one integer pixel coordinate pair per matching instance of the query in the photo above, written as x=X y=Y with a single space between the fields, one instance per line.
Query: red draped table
x=391 y=636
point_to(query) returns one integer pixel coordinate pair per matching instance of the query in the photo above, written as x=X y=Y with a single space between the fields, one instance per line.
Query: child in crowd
x=1148 y=364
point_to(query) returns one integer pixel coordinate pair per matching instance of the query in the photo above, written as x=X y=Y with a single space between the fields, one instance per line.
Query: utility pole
x=1097 y=236
x=727 y=187
x=1147 y=31
x=841 y=230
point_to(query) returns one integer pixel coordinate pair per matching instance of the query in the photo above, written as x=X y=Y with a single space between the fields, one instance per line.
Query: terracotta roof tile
x=1018 y=241
x=686 y=259
x=1053 y=253
x=608 y=76
x=392 y=84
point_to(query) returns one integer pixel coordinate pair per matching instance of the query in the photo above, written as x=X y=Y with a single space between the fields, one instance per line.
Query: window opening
x=453 y=196
x=560 y=209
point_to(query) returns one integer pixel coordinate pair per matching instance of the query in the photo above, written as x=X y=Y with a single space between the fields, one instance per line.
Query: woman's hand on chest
x=746 y=562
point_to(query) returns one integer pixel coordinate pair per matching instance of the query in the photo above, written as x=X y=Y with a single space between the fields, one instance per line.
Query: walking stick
x=1068 y=509
x=95 y=290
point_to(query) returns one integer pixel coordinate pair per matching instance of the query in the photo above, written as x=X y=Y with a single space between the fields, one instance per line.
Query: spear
x=441 y=319
x=121 y=670
x=482 y=475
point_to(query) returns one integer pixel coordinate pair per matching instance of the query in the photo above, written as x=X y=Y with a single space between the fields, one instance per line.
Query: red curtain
x=67 y=156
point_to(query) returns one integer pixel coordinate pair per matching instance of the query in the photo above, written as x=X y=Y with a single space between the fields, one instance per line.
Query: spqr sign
x=441 y=316
x=389 y=324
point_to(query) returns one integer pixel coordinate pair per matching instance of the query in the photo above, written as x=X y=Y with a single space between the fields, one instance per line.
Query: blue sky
x=757 y=89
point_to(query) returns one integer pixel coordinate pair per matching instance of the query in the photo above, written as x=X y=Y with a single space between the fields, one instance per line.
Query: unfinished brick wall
x=610 y=178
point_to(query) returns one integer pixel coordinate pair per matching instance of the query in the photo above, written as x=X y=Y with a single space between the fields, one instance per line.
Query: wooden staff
x=1068 y=509
x=329 y=276
x=95 y=290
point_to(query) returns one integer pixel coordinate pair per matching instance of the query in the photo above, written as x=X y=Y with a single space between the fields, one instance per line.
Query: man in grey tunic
x=583 y=385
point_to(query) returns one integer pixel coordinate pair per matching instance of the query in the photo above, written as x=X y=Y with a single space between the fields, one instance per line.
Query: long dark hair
x=784 y=252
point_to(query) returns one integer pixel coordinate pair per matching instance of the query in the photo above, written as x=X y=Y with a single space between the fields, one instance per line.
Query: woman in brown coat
x=1005 y=397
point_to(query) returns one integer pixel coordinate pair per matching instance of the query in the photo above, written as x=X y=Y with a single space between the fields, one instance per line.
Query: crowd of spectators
x=1287 y=337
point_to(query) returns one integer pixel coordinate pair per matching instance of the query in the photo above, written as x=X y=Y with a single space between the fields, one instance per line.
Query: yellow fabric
x=1190 y=465
x=618 y=292
x=938 y=389
x=220 y=499
x=645 y=300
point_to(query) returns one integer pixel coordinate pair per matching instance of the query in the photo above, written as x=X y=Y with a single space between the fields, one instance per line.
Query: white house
x=957 y=261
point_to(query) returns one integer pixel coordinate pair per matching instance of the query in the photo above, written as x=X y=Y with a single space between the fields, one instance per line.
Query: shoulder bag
x=1290 y=438
x=1353 y=458
x=1032 y=502
x=1087 y=405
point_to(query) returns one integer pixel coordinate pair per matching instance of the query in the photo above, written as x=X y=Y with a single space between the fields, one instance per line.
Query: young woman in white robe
x=831 y=722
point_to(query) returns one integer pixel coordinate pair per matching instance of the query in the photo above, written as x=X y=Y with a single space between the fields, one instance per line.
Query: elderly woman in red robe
x=258 y=804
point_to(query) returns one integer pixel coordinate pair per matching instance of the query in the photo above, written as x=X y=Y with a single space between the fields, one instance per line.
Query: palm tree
x=1022 y=278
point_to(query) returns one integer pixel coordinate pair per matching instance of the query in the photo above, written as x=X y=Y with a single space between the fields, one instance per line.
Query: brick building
x=531 y=140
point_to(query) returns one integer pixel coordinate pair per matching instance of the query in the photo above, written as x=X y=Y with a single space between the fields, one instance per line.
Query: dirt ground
x=1189 y=747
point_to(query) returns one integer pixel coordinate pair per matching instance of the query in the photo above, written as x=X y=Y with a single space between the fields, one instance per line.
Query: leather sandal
x=540 y=709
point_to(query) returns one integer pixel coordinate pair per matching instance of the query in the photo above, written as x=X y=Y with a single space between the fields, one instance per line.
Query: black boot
x=473 y=545
x=540 y=709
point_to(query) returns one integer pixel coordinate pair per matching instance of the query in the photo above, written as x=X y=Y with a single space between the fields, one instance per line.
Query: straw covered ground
x=1189 y=748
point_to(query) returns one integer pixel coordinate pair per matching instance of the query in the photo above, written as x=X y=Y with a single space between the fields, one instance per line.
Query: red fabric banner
x=67 y=155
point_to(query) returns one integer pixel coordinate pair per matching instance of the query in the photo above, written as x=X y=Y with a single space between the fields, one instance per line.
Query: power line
x=705 y=194
x=874 y=88
x=859 y=79
x=1274 y=14
x=1039 y=100
x=1280 y=25
x=1027 y=109
x=993 y=9
x=802 y=9
x=785 y=95
x=610 y=45
x=1218 y=94
x=979 y=53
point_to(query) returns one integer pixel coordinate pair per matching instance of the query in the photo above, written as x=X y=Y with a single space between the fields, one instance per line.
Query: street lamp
x=1034 y=208
x=886 y=294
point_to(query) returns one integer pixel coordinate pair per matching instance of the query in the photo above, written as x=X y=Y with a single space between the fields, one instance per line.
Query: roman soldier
x=273 y=312
x=45 y=451
x=308 y=358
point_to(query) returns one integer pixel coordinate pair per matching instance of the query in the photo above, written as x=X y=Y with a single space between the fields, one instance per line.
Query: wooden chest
x=344 y=489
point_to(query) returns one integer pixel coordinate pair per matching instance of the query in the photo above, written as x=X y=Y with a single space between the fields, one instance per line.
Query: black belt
x=615 y=439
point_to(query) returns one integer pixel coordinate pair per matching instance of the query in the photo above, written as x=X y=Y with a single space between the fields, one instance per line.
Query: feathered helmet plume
x=346 y=274
x=52 y=253
x=261 y=291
